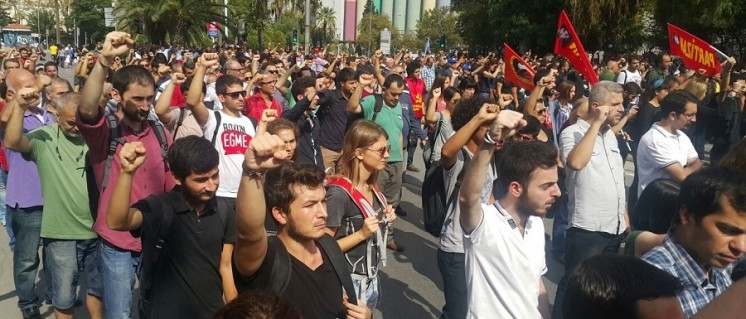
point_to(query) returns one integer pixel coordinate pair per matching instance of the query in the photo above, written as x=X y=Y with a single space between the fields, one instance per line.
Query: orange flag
x=517 y=71
x=568 y=45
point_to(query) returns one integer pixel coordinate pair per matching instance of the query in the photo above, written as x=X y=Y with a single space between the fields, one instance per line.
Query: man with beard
x=69 y=243
x=504 y=242
x=133 y=89
x=595 y=182
x=193 y=265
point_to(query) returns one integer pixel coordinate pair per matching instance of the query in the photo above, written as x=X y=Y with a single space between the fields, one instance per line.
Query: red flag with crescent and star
x=569 y=46
x=517 y=71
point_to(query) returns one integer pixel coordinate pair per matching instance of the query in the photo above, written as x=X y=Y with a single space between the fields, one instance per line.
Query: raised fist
x=116 y=43
x=131 y=156
x=178 y=78
x=26 y=97
x=265 y=152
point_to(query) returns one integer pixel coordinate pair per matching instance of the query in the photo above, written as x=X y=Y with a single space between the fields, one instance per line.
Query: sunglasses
x=274 y=72
x=542 y=111
x=236 y=94
x=381 y=151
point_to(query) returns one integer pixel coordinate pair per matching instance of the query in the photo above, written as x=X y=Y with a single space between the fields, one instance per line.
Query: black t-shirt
x=187 y=281
x=315 y=294
x=332 y=113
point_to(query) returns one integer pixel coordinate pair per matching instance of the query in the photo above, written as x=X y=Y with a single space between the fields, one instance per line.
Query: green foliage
x=369 y=31
x=5 y=18
x=439 y=22
x=89 y=15
x=41 y=20
x=178 y=20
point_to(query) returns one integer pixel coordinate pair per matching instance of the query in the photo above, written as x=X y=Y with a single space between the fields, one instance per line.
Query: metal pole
x=308 y=26
x=57 y=19
x=225 y=2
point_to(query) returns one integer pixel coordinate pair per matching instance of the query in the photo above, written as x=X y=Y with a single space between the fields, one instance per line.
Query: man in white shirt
x=630 y=74
x=665 y=151
x=504 y=242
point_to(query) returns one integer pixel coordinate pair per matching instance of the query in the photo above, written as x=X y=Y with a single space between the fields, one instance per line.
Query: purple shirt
x=24 y=187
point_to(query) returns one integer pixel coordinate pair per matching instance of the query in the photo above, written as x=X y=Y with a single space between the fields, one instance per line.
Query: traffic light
x=295 y=36
x=442 y=42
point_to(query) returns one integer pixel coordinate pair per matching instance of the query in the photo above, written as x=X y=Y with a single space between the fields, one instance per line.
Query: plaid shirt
x=699 y=289
x=428 y=75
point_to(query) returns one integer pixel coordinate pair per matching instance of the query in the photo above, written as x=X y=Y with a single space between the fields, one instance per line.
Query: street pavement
x=411 y=286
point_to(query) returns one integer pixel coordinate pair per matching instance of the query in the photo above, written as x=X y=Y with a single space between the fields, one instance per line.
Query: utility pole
x=308 y=26
x=57 y=19
x=225 y=10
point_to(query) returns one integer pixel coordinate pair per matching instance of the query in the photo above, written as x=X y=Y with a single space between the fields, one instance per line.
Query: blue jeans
x=3 y=210
x=26 y=224
x=559 y=227
x=452 y=269
x=118 y=269
x=65 y=259
x=581 y=244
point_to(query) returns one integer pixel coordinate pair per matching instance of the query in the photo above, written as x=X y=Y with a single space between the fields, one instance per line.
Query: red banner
x=697 y=54
x=568 y=45
x=517 y=71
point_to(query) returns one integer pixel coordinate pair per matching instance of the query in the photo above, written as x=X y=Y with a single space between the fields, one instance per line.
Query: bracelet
x=101 y=62
x=488 y=139
x=253 y=174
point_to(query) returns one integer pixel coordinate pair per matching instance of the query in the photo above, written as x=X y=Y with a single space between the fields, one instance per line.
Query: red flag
x=697 y=54
x=568 y=45
x=517 y=71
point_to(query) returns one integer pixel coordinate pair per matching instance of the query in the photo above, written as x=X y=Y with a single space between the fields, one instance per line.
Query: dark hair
x=631 y=88
x=657 y=207
x=301 y=84
x=608 y=286
x=467 y=83
x=188 y=83
x=701 y=192
x=412 y=66
x=192 y=155
x=449 y=93
x=188 y=65
x=258 y=304
x=676 y=102
x=392 y=79
x=533 y=126
x=50 y=63
x=279 y=182
x=224 y=81
x=736 y=158
x=439 y=82
x=345 y=75
x=519 y=161
x=11 y=60
x=122 y=78
x=540 y=74
x=467 y=109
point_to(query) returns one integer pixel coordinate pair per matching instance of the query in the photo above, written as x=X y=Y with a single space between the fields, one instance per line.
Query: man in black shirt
x=309 y=150
x=332 y=113
x=295 y=197
x=188 y=276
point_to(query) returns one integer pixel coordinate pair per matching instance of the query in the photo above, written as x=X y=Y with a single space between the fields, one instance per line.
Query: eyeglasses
x=236 y=94
x=273 y=82
x=541 y=112
x=381 y=151
x=273 y=72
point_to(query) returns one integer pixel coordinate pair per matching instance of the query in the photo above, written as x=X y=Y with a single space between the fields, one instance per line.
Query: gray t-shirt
x=446 y=130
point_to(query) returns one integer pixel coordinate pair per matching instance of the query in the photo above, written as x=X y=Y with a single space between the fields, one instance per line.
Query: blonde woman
x=358 y=214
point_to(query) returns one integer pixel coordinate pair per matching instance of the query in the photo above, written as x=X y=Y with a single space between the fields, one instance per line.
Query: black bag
x=436 y=203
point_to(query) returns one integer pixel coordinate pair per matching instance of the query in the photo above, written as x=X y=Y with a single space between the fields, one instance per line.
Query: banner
x=697 y=54
x=568 y=45
x=517 y=71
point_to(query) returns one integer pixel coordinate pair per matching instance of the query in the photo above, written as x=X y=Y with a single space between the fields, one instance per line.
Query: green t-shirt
x=606 y=76
x=61 y=163
x=291 y=99
x=390 y=119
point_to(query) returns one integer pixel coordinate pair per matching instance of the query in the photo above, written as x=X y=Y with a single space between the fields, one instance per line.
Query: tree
x=5 y=18
x=41 y=21
x=325 y=18
x=183 y=21
x=369 y=31
x=370 y=8
x=89 y=15
x=608 y=22
x=439 y=22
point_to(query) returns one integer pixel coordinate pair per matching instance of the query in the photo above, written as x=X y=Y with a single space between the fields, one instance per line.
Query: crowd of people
x=233 y=183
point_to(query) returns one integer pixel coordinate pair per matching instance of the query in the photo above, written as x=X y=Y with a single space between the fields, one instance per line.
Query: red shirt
x=177 y=99
x=417 y=94
x=255 y=105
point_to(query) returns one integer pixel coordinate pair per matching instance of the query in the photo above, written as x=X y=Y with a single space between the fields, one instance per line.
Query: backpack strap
x=357 y=197
x=377 y=107
x=182 y=116
x=217 y=127
x=115 y=139
x=282 y=268
x=160 y=134
x=163 y=230
x=459 y=179
x=330 y=248
x=431 y=144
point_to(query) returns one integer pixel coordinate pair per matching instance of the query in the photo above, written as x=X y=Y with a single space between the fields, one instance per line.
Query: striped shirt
x=699 y=288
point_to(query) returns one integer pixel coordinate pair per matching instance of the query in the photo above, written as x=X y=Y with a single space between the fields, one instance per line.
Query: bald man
x=23 y=198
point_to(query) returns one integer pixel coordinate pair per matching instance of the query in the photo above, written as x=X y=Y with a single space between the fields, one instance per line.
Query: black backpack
x=151 y=254
x=436 y=202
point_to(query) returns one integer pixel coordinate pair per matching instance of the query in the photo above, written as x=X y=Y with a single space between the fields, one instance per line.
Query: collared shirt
x=503 y=266
x=332 y=113
x=152 y=178
x=659 y=149
x=699 y=287
x=24 y=186
x=597 y=199
x=255 y=105
x=427 y=73
x=309 y=150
